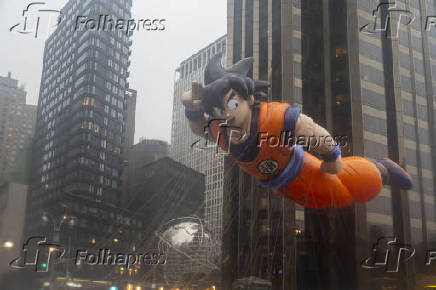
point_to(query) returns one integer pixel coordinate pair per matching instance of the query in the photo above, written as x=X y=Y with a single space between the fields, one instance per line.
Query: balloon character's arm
x=198 y=121
x=322 y=143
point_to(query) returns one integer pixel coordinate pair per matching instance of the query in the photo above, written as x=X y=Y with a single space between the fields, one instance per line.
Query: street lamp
x=57 y=224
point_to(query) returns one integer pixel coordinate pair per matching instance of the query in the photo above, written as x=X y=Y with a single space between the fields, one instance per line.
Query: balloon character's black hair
x=218 y=81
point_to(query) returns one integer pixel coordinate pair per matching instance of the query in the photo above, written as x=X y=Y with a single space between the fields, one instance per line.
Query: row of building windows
x=201 y=60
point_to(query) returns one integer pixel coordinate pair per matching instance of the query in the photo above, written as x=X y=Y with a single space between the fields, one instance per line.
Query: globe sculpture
x=190 y=248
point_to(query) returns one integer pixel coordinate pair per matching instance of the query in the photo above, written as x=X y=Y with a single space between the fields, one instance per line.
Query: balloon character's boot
x=393 y=174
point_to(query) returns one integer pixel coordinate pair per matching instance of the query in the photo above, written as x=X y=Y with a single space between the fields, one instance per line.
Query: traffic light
x=113 y=288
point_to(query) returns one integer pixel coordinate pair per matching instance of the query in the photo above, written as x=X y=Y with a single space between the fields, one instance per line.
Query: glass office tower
x=371 y=85
x=81 y=132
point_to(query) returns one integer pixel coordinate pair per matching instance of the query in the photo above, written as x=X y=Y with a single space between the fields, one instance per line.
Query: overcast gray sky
x=190 y=25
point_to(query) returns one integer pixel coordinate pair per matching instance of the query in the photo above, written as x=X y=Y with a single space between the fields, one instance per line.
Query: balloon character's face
x=237 y=111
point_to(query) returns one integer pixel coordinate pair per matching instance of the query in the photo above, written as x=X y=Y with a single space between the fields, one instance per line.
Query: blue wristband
x=194 y=115
x=332 y=155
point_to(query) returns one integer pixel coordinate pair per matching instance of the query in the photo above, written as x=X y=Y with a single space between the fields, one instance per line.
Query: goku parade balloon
x=227 y=105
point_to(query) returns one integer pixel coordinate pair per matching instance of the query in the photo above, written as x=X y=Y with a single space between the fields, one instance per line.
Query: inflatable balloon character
x=226 y=111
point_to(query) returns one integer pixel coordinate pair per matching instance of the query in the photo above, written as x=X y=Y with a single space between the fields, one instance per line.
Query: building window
x=87 y=101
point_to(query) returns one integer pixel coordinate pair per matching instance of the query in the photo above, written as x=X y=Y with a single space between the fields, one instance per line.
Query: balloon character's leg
x=358 y=181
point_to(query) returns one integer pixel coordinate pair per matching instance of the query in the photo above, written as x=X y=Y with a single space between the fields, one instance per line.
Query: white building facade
x=199 y=156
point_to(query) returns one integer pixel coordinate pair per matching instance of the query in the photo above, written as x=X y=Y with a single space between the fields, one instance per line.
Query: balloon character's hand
x=332 y=167
x=192 y=99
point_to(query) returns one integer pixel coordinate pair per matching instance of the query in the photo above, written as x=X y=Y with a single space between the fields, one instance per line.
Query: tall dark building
x=372 y=84
x=259 y=244
x=82 y=130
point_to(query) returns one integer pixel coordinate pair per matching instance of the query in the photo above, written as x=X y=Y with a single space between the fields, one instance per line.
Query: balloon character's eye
x=232 y=104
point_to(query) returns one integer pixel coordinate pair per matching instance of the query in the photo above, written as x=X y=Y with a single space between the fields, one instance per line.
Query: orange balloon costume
x=358 y=181
x=296 y=175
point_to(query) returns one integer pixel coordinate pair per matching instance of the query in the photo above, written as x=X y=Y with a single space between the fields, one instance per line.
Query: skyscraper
x=187 y=148
x=81 y=130
x=17 y=124
x=261 y=233
x=365 y=81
